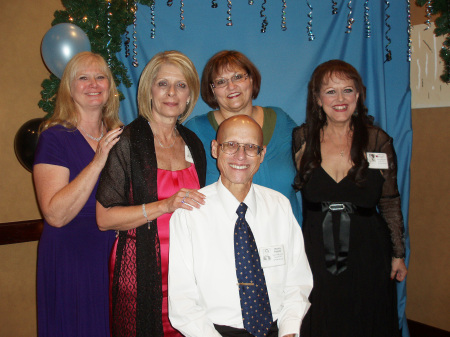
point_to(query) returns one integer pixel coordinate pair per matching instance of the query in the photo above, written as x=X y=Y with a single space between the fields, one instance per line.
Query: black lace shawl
x=389 y=204
x=130 y=178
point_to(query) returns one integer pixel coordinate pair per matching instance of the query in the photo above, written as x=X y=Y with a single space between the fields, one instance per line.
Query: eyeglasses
x=223 y=82
x=251 y=150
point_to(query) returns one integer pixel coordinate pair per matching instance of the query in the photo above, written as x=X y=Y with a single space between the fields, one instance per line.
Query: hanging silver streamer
x=135 y=62
x=388 y=26
x=409 y=30
x=182 y=26
x=334 y=9
x=311 y=36
x=350 y=19
x=263 y=15
x=152 y=22
x=229 y=21
x=367 y=17
x=127 y=43
x=429 y=9
x=214 y=4
x=169 y=3
x=127 y=39
x=283 y=16
x=108 y=30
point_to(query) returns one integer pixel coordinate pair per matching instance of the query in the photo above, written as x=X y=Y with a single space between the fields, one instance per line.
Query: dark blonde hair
x=148 y=77
x=224 y=60
x=316 y=120
x=66 y=112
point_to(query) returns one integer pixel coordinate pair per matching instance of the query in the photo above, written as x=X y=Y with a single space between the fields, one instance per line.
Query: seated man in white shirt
x=207 y=296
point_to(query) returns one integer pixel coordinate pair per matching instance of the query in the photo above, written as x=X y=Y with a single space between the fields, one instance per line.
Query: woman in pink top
x=157 y=166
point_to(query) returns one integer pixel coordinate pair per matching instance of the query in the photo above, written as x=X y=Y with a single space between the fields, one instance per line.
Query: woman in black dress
x=353 y=225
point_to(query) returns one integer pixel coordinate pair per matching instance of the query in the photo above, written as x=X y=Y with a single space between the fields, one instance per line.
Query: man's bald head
x=240 y=122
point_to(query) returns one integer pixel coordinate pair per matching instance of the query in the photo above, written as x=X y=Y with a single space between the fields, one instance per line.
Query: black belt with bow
x=336 y=230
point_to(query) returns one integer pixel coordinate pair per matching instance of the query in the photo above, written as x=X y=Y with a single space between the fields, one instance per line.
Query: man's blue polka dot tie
x=255 y=305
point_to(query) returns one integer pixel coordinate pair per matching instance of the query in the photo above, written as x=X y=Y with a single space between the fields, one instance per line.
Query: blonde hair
x=148 y=77
x=66 y=112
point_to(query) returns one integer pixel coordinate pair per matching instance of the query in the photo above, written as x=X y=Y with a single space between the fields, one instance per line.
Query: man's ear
x=214 y=148
x=262 y=154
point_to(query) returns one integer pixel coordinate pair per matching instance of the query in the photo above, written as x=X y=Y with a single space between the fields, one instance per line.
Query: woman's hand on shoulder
x=105 y=145
x=184 y=198
x=398 y=270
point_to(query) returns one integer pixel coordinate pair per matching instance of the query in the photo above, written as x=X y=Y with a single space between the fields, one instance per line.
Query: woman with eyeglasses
x=230 y=82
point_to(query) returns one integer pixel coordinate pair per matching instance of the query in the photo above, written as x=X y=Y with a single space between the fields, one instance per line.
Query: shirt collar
x=230 y=203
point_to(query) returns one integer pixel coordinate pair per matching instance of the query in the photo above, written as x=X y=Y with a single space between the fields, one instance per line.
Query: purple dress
x=72 y=270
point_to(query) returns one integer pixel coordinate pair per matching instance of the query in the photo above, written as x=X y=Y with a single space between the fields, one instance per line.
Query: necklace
x=92 y=137
x=341 y=153
x=159 y=141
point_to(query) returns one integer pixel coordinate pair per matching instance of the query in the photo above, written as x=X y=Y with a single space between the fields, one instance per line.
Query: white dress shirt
x=203 y=286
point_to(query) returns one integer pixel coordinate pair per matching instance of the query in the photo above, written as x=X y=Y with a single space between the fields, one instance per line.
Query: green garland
x=92 y=17
x=442 y=23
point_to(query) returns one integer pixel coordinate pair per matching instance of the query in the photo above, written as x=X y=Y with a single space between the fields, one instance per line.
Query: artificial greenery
x=442 y=23
x=92 y=17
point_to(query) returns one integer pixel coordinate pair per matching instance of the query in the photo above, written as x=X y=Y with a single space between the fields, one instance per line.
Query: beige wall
x=18 y=294
x=23 y=25
x=428 y=298
x=429 y=270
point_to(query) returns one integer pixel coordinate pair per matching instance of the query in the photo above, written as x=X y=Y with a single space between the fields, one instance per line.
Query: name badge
x=377 y=160
x=272 y=256
x=188 y=155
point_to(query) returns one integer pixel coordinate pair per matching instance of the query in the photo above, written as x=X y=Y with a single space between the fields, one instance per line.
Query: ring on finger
x=187 y=194
x=182 y=201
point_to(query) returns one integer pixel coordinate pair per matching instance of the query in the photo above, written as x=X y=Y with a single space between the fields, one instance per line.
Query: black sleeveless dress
x=350 y=250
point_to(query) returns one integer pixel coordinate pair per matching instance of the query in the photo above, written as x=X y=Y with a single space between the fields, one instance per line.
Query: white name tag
x=377 y=160
x=188 y=155
x=272 y=256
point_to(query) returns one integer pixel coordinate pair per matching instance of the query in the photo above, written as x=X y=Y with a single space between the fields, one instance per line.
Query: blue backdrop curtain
x=286 y=59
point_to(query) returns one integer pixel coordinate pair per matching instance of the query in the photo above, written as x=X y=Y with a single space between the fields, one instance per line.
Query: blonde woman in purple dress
x=72 y=274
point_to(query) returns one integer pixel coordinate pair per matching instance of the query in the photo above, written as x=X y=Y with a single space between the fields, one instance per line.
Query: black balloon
x=25 y=142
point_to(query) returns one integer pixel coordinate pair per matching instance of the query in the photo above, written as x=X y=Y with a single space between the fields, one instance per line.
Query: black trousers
x=227 y=331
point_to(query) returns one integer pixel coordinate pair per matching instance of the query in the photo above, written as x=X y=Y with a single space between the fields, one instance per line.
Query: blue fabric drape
x=287 y=59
